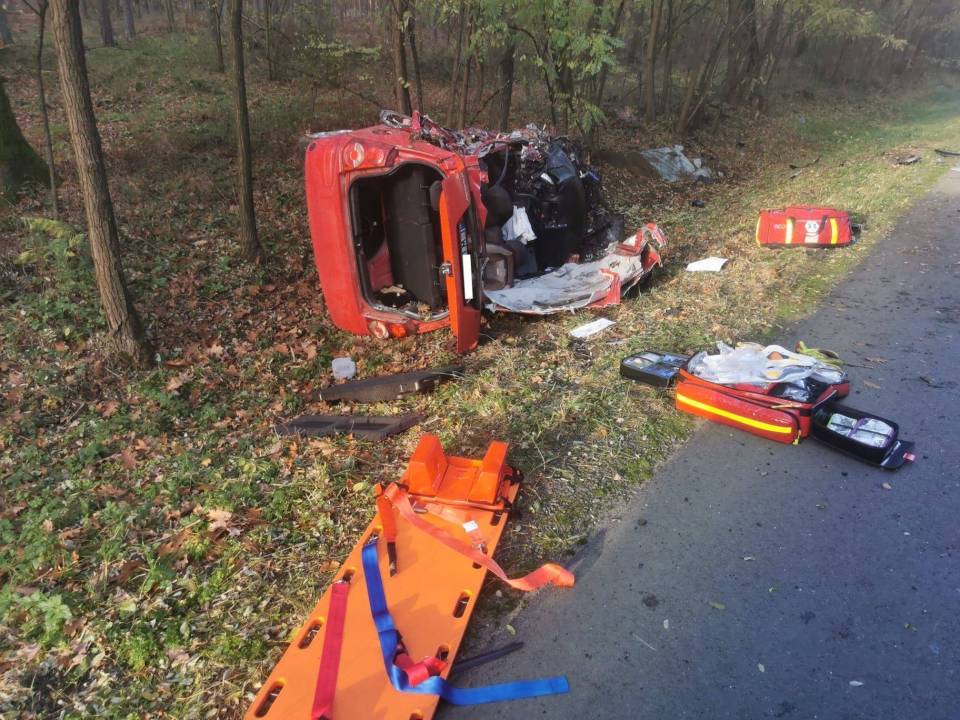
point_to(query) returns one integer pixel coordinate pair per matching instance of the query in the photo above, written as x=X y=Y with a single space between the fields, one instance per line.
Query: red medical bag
x=764 y=410
x=805 y=226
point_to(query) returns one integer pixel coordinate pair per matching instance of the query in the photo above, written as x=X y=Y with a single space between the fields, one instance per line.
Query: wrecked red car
x=416 y=227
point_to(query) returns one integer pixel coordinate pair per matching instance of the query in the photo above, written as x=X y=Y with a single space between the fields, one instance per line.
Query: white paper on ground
x=710 y=264
x=591 y=328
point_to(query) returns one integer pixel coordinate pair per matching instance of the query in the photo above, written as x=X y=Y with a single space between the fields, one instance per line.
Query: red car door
x=460 y=255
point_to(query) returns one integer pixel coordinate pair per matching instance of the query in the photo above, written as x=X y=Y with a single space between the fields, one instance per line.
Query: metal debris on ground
x=390 y=387
x=368 y=427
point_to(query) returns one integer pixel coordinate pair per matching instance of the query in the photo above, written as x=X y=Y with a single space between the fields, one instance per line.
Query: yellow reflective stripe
x=732 y=416
x=759 y=220
x=789 y=231
x=834 y=231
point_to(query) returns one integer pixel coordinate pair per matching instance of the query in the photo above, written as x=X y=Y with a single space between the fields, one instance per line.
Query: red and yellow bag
x=756 y=409
x=805 y=226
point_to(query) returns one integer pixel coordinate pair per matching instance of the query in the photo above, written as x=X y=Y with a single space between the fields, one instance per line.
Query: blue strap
x=390 y=641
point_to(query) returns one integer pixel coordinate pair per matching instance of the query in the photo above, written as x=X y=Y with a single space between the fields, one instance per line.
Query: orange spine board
x=431 y=598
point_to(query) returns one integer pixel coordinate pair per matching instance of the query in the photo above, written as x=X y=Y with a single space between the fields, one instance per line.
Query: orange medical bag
x=805 y=226
x=765 y=410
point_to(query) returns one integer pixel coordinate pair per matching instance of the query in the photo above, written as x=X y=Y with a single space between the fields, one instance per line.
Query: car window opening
x=396 y=232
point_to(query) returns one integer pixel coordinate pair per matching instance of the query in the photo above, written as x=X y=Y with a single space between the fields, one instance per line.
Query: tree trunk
x=6 y=37
x=44 y=115
x=462 y=22
x=268 y=37
x=743 y=47
x=106 y=26
x=415 y=56
x=650 y=63
x=464 y=93
x=699 y=85
x=125 y=331
x=249 y=243
x=18 y=161
x=171 y=20
x=601 y=85
x=213 y=10
x=128 y=15
x=500 y=115
x=401 y=85
x=667 y=88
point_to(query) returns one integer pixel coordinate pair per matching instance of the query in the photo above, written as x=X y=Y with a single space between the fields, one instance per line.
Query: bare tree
x=650 y=62
x=415 y=54
x=743 y=47
x=500 y=114
x=41 y=11
x=131 y=28
x=268 y=39
x=461 y=27
x=125 y=331
x=249 y=242
x=106 y=26
x=398 y=36
x=214 y=8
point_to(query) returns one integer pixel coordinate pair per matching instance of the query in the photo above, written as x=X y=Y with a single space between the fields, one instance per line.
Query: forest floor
x=159 y=544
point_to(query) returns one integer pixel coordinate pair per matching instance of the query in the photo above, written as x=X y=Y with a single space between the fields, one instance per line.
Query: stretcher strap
x=548 y=573
x=417 y=672
x=457 y=516
x=390 y=640
x=387 y=519
x=330 y=655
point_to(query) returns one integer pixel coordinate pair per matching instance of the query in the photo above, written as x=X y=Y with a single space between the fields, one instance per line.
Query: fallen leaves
x=128 y=458
x=220 y=519
x=174 y=544
x=127 y=571
x=108 y=408
x=177 y=381
x=177 y=656
x=717 y=605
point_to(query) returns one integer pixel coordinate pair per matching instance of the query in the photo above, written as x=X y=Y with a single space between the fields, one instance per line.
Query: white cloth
x=518 y=227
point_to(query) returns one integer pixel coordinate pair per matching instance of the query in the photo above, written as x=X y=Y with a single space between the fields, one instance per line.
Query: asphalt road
x=753 y=580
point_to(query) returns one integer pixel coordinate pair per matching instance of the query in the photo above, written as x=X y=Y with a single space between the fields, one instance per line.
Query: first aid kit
x=805 y=226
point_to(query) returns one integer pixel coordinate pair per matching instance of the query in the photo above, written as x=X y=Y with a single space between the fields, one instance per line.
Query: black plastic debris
x=390 y=387
x=907 y=159
x=368 y=427
x=653 y=367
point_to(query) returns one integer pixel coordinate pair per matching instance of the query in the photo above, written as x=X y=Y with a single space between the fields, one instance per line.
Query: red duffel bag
x=805 y=226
